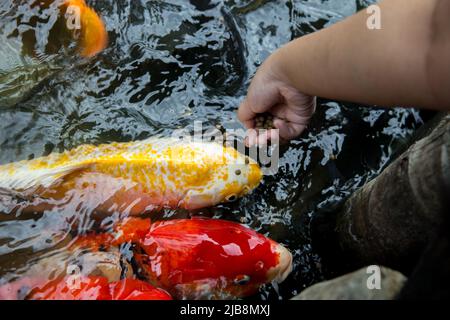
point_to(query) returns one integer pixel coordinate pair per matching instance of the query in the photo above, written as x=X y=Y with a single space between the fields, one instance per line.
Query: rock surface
x=391 y=219
x=354 y=286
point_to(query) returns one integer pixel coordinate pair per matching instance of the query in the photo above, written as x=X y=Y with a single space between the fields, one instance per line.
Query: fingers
x=261 y=97
x=292 y=109
x=246 y=115
x=256 y=138
x=289 y=130
x=283 y=132
x=290 y=121
x=298 y=110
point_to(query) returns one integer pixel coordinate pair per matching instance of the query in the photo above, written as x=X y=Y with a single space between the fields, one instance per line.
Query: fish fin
x=24 y=180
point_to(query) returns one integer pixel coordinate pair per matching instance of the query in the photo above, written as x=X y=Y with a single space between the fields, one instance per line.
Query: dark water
x=168 y=64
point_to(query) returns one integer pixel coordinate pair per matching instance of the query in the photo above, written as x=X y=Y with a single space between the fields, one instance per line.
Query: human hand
x=271 y=92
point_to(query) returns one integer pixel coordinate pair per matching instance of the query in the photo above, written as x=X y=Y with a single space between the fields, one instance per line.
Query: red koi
x=82 y=288
x=205 y=258
x=188 y=258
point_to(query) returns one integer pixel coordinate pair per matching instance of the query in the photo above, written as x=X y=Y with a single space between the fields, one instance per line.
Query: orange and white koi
x=135 y=177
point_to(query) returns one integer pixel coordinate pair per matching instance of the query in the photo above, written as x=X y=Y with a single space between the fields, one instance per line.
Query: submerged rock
x=391 y=219
x=354 y=286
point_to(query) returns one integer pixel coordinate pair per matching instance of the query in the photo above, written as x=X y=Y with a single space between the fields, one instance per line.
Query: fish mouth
x=284 y=267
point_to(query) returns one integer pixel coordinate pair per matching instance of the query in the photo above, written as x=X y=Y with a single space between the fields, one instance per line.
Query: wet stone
x=359 y=285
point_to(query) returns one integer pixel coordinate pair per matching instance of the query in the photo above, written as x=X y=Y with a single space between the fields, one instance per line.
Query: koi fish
x=93 y=36
x=81 y=288
x=80 y=256
x=33 y=31
x=85 y=261
x=189 y=259
x=70 y=21
x=134 y=177
x=204 y=258
x=75 y=255
x=77 y=21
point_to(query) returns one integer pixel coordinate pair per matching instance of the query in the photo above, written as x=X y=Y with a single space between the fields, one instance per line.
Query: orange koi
x=93 y=38
x=204 y=258
x=82 y=288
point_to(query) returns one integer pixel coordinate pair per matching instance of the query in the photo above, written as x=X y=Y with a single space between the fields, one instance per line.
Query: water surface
x=170 y=63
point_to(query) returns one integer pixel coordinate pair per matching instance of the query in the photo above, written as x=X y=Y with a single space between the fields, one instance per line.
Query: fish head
x=231 y=175
x=257 y=271
x=209 y=258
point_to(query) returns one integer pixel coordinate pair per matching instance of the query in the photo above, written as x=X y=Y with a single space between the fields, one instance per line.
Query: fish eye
x=242 y=279
x=231 y=198
x=247 y=161
x=238 y=172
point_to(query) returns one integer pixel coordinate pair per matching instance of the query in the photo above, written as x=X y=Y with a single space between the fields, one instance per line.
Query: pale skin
x=405 y=63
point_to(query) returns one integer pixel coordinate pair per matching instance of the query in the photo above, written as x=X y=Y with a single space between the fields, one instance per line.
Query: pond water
x=168 y=64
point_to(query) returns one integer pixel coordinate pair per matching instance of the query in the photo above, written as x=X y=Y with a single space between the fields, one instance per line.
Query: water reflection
x=168 y=64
